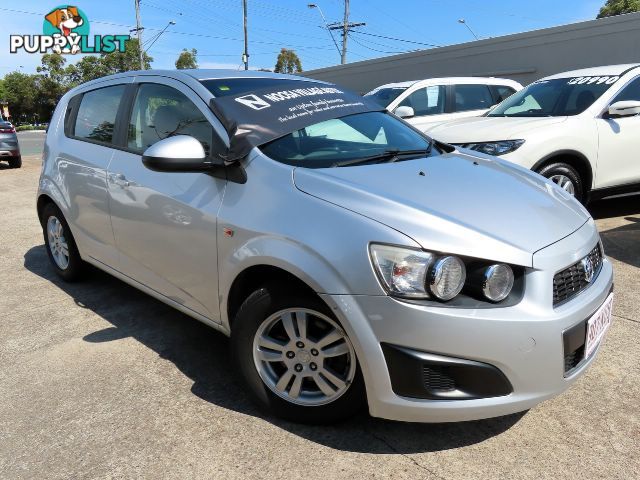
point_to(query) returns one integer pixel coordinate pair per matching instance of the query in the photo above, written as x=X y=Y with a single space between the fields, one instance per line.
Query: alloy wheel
x=57 y=243
x=564 y=182
x=304 y=357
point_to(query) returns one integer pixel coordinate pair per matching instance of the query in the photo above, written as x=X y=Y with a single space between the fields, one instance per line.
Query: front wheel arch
x=573 y=158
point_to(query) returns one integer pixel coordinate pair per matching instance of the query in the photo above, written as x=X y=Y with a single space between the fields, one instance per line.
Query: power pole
x=139 y=34
x=245 y=55
x=345 y=26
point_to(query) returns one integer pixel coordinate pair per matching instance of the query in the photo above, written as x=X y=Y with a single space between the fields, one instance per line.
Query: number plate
x=597 y=326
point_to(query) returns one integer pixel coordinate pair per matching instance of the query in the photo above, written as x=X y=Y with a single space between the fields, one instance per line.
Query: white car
x=430 y=102
x=581 y=129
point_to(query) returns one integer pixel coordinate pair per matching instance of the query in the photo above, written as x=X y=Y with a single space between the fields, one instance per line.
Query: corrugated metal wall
x=524 y=57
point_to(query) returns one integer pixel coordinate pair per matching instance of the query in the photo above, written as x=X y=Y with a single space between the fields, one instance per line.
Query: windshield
x=352 y=137
x=555 y=98
x=384 y=96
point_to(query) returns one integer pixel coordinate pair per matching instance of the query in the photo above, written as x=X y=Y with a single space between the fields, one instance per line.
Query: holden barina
x=352 y=260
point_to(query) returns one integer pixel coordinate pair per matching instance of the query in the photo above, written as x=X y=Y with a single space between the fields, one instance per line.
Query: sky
x=214 y=27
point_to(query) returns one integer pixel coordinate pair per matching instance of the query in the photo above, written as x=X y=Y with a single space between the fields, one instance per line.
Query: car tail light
x=7 y=130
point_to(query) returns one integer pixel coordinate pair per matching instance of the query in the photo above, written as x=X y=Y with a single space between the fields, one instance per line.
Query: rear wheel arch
x=573 y=158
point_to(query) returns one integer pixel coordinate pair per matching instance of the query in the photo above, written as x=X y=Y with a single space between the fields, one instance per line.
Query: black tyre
x=566 y=177
x=295 y=359
x=60 y=245
x=15 y=162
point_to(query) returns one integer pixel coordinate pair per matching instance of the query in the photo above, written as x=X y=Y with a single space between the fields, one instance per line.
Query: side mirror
x=180 y=153
x=626 y=108
x=404 y=112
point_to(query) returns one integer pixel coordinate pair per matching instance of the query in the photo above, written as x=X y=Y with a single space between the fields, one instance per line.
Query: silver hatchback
x=9 y=146
x=350 y=258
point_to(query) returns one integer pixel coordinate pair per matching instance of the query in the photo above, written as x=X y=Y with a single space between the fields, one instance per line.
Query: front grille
x=436 y=380
x=572 y=280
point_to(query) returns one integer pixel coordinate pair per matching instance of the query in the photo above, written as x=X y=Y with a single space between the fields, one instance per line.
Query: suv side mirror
x=181 y=153
x=626 y=108
x=404 y=112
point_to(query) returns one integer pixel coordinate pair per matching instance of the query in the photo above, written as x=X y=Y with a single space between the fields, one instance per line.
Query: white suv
x=426 y=103
x=581 y=129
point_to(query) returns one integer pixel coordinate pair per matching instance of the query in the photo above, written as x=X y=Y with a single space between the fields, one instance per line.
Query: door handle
x=120 y=180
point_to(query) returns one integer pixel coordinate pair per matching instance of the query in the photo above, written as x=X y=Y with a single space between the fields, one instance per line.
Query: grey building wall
x=524 y=57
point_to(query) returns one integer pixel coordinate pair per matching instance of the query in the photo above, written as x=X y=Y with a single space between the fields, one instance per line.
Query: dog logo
x=587 y=268
x=64 y=21
x=253 y=101
x=65 y=29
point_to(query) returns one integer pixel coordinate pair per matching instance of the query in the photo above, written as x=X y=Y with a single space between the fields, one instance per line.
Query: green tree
x=187 y=59
x=22 y=94
x=88 y=68
x=618 y=7
x=287 y=62
x=117 y=62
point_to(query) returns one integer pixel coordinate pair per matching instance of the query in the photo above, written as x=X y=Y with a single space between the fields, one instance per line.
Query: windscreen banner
x=257 y=118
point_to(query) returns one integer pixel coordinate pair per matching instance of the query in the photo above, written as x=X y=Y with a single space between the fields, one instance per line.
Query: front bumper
x=524 y=342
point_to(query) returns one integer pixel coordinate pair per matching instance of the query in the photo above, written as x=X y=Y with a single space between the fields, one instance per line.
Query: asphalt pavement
x=98 y=380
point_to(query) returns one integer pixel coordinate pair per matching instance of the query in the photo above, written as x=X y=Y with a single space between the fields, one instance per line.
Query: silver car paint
x=167 y=239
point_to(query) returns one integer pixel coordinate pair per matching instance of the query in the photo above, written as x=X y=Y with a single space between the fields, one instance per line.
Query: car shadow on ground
x=623 y=242
x=202 y=354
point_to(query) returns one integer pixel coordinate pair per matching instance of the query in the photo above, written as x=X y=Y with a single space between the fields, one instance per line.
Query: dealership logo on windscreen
x=65 y=30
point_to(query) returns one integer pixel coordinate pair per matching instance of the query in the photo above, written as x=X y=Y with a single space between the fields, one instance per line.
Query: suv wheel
x=566 y=177
x=60 y=245
x=295 y=358
x=15 y=162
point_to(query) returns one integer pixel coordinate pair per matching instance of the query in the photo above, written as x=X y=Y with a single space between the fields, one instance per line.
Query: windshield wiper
x=388 y=156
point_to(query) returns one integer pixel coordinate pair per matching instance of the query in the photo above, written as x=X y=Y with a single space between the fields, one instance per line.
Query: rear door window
x=501 y=92
x=96 y=118
x=472 y=97
x=426 y=101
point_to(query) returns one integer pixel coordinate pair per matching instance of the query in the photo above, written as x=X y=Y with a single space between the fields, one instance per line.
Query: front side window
x=556 y=97
x=161 y=111
x=353 y=137
x=630 y=92
x=472 y=97
x=96 y=116
x=426 y=101
x=384 y=96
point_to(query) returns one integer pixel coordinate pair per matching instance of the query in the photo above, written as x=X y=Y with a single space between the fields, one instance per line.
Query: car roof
x=596 y=71
x=201 y=74
x=451 y=81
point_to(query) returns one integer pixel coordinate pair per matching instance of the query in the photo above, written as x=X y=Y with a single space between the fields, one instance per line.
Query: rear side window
x=472 y=97
x=501 y=92
x=96 y=118
x=426 y=101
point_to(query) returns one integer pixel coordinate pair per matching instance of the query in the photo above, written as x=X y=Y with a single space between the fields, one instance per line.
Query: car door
x=165 y=223
x=429 y=105
x=85 y=151
x=618 y=159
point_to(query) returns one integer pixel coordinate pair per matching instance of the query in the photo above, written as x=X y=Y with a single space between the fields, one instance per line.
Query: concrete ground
x=98 y=380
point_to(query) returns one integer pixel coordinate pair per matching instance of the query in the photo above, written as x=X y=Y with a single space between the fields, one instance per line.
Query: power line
x=398 y=39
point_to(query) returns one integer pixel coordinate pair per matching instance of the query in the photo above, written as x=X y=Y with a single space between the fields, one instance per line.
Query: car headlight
x=494 y=148
x=446 y=277
x=417 y=274
x=498 y=282
x=402 y=271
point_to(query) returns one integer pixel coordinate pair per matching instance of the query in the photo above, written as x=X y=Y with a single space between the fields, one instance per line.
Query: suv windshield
x=345 y=140
x=555 y=98
x=384 y=96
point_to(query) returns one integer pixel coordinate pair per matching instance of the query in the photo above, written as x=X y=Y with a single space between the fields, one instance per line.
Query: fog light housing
x=498 y=282
x=446 y=277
